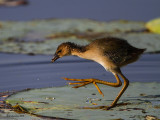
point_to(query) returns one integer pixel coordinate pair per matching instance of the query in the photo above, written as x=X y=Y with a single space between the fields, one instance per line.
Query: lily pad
x=83 y=103
x=43 y=36
x=154 y=25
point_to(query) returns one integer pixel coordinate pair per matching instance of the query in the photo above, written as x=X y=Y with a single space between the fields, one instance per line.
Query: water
x=22 y=71
x=103 y=10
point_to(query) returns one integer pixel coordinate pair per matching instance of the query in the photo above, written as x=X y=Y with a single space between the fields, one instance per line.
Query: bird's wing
x=117 y=56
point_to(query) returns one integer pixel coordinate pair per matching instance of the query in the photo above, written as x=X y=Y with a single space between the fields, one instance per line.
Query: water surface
x=103 y=10
x=19 y=71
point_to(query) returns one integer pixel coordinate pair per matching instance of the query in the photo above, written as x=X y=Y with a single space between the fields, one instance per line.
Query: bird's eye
x=59 y=51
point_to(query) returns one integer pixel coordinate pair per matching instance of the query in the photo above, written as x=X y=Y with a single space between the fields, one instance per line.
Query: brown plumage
x=112 y=53
x=117 y=50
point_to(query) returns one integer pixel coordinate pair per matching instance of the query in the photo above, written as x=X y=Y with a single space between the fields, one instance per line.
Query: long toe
x=83 y=82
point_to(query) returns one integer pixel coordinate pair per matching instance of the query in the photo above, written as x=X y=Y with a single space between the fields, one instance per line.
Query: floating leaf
x=43 y=36
x=154 y=25
x=81 y=103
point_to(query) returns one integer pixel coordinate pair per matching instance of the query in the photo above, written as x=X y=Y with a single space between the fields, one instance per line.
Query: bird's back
x=118 y=51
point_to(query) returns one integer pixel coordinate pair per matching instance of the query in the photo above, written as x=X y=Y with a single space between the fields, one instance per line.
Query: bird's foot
x=98 y=107
x=83 y=82
x=106 y=107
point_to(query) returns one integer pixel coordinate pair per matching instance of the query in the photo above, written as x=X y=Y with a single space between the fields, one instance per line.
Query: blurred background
x=28 y=41
x=20 y=71
x=102 y=10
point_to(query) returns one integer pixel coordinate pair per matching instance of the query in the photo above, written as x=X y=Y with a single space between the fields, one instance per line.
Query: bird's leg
x=94 y=81
x=126 y=83
x=83 y=82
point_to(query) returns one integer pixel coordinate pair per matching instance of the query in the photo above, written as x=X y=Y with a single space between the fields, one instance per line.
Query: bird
x=111 y=52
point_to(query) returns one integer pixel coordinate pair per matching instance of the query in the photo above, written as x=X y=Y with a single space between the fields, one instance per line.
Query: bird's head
x=63 y=49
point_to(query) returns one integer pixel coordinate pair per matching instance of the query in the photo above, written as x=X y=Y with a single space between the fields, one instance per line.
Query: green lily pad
x=154 y=25
x=43 y=36
x=70 y=103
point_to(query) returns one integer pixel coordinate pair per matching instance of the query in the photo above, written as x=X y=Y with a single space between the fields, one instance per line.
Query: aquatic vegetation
x=86 y=102
x=43 y=36
x=154 y=25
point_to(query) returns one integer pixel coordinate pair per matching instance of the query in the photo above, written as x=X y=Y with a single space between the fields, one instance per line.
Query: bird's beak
x=55 y=58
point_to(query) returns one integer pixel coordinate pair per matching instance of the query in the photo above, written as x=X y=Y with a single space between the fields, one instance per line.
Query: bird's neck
x=78 y=50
